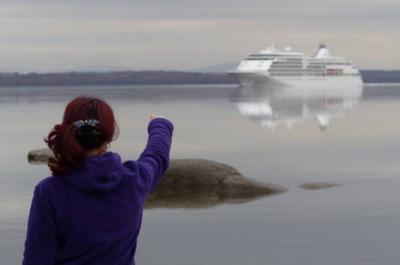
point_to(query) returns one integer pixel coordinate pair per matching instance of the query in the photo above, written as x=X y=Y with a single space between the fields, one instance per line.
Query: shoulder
x=49 y=187
x=135 y=166
x=49 y=182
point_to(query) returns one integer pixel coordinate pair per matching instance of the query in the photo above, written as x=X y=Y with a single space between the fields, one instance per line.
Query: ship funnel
x=322 y=52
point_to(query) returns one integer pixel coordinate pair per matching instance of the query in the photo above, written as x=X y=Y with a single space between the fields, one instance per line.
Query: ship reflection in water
x=274 y=107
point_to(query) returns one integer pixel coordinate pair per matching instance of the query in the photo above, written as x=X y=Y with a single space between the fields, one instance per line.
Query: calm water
x=285 y=138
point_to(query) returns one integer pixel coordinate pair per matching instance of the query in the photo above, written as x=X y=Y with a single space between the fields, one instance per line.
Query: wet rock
x=319 y=186
x=196 y=183
x=39 y=156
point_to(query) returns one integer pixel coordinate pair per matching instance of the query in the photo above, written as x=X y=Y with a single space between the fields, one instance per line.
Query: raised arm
x=154 y=160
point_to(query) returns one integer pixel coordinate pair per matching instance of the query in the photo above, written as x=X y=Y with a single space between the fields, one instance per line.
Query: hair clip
x=80 y=123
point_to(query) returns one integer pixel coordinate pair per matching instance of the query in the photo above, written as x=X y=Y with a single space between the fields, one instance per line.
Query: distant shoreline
x=386 y=84
x=152 y=78
x=380 y=76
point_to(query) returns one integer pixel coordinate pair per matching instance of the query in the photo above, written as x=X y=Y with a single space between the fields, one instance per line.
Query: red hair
x=68 y=151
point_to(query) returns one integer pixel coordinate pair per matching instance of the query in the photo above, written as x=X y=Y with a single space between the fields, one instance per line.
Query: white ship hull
x=252 y=79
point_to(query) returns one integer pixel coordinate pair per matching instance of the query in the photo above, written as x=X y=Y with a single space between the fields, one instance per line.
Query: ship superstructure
x=274 y=67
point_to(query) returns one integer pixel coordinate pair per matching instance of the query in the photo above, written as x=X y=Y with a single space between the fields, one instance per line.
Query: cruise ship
x=272 y=67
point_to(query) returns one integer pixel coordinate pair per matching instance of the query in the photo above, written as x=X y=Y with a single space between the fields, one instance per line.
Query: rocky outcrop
x=196 y=183
x=39 y=156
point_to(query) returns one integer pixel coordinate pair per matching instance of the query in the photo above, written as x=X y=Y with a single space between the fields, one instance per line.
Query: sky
x=55 y=35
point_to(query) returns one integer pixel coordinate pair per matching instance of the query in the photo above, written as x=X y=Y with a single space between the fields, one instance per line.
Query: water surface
x=357 y=223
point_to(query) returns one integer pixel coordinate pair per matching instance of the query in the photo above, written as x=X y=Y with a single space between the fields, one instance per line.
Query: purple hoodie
x=93 y=215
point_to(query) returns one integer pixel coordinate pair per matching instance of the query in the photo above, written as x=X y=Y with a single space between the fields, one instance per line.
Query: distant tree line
x=381 y=76
x=150 y=78
x=113 y=78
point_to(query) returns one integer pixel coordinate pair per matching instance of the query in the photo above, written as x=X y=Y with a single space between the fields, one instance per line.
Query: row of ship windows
x=276 y=55
x=309 y=74
x=315 y=67
x=284 y=64
x=259 y=59
x=330 y=63
x=279 y=59
x=277 y=74
x=315 y=74
x=269 y=59
x=287 y=66
x=296 y=69
x=288 y=63
x=286 y=69
x=297 y=57
x=305 y=72
x=319 y=63
x=296 y=64
x=312 y=66
x=298 y=61
x=272 y=71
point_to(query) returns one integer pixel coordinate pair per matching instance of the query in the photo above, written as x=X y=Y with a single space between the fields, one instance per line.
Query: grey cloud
x=40 y=34
x=120 y=9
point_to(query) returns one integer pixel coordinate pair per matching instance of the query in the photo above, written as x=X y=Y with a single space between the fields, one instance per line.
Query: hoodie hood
x=100 y=173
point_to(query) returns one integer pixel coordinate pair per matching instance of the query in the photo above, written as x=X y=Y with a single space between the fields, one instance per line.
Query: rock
x=196 y=183
x=39 y=156
x=319 y=186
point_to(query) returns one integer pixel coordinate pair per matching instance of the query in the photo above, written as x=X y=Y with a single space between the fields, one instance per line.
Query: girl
x=90 y=210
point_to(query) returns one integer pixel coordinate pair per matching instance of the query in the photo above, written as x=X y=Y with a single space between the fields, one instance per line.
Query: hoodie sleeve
x=41 y=243
x=154 y=160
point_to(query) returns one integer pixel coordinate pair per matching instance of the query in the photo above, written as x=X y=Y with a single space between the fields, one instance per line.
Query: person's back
x=91 y=213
